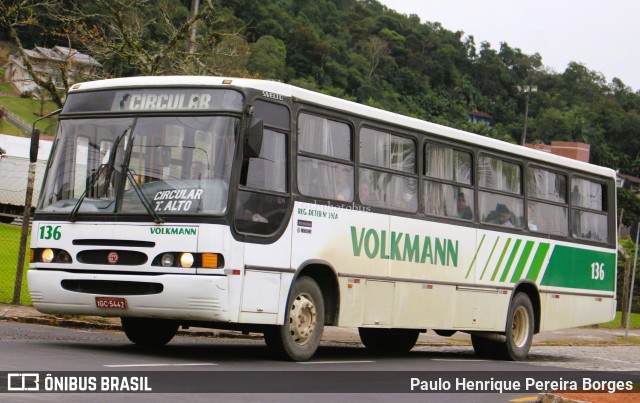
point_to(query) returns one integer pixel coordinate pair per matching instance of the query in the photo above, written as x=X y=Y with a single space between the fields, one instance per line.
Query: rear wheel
x=299 y=338
x=519 y=330
x=518 y=333
x=487 y=348
x=149 y=332
x=388 y=340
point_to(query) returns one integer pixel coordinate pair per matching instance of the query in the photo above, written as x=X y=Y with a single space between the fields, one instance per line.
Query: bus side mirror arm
x=253 y=139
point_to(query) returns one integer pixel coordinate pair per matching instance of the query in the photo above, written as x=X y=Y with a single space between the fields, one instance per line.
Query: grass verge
x=615 y=324
x=10 y=240
x=26 y=109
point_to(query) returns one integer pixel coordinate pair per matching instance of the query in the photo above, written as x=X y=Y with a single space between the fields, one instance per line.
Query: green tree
x=268 y=57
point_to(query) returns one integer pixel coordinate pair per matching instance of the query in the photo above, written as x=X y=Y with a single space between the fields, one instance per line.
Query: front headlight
x=186 y=260
x=167 y=260
x=47 y=255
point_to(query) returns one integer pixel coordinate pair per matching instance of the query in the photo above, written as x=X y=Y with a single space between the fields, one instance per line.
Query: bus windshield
x=157 y=166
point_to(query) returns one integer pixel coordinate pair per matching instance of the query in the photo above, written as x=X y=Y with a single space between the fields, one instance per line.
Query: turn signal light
x=210 y=260
x=188 y=260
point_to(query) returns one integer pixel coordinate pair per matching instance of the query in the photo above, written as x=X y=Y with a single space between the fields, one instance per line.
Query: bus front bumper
x=180 y=297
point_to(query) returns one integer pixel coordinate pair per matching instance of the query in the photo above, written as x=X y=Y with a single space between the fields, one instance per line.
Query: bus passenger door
x=261 y=213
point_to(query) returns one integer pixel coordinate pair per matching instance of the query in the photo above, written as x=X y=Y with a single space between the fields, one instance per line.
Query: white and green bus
x=261 y=207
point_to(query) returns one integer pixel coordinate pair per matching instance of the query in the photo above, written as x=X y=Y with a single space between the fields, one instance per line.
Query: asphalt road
x=243 y=366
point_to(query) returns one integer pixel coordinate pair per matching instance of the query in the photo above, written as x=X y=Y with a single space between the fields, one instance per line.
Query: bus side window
x=444 y=199
x=588 y=210
x=391 y=181
x=319 y=177
x=546 y=209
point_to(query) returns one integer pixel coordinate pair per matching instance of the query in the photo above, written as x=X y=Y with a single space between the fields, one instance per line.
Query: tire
x=519 y=329
x=149 y=332
x=388 y=341
x=444 y=333
x=486 y=348
x=299 y=338
x=518 y=334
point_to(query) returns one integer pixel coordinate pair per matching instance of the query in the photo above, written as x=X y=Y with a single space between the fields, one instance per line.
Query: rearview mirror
x=35 y=143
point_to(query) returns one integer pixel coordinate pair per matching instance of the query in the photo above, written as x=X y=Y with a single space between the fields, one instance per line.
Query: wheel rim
x=520 y=327
x=302 y=318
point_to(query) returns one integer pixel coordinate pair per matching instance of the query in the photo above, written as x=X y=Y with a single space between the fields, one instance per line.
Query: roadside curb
x=579 y=337
x=80 y=324
x=551 y=398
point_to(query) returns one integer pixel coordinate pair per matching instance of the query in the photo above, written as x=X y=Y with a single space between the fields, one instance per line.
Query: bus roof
x=344 y=105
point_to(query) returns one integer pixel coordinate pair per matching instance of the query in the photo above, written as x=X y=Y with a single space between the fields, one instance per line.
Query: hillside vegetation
x=362 y=51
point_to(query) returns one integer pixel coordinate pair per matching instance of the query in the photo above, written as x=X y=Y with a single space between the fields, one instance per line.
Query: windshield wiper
x=145 y=202
x=136 y=187
x=76 y=207
x=107 y=168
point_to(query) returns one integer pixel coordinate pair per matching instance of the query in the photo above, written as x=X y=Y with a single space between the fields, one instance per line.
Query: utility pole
x=526 y=90
x=193 y=30
x=26 y=213
x=636 y=227
x=626 y=279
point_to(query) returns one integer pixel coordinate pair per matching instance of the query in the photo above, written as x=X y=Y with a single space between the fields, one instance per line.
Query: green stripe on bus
x=538 y=260
x=489 y=259
x=504 y=252
x=475 y=256
x=581 y=268
x=512 y=256
x=528 y=247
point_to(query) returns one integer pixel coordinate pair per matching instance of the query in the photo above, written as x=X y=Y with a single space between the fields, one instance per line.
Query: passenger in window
x=502 y=216
x=464 y=211
x=344 y=188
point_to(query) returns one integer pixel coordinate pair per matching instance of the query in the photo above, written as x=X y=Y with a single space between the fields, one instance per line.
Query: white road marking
x=334 y=362
x=158 y=365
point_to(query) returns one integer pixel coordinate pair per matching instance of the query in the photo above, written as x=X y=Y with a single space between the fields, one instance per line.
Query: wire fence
x=9 y=248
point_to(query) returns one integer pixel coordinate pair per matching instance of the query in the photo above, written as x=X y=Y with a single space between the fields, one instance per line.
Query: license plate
x=111 y=303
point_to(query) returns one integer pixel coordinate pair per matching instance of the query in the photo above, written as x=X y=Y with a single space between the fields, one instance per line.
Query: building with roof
x=480 y=117
x=573 y=150
x=49 y=63
x=632 y=182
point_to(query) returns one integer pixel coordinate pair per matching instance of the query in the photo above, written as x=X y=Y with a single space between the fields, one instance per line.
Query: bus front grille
x=112 y=257
x=111 y=287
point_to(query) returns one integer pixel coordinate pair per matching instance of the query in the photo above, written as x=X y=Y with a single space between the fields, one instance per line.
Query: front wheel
x=299 y=338
x=148 y=332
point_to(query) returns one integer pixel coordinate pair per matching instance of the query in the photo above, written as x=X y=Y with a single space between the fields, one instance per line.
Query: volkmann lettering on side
x=382 y=244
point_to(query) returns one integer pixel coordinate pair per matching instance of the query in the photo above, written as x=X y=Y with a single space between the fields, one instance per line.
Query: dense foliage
x=363 y=51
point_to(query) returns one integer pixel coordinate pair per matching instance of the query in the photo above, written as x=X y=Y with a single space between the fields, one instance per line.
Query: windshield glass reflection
x=171 y=165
